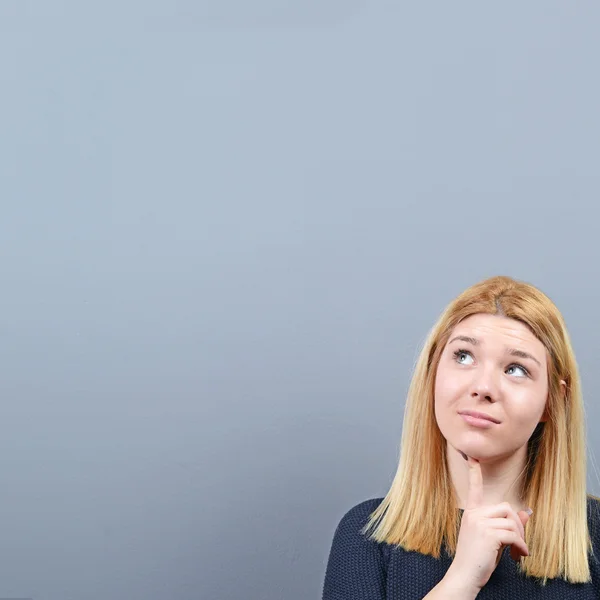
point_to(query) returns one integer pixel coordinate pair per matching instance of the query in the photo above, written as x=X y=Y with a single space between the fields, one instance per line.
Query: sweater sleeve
x=356 y=569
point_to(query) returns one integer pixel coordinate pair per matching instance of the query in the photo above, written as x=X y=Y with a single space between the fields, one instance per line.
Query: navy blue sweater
x=360 y=569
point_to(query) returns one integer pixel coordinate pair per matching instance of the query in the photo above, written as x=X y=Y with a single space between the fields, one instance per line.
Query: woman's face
x=492 y=365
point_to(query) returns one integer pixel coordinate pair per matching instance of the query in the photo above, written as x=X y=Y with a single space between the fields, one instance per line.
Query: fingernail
x=463 y=455
x=529 y=511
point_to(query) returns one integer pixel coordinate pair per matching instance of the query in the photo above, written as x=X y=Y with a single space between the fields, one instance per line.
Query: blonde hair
x=420 y=511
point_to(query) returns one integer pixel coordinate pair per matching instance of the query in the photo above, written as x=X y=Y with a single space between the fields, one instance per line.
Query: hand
x=484 y=533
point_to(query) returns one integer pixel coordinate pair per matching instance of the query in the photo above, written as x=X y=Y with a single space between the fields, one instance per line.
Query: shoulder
x=348 y=532
x=593 y=519
x=593 y=509
x=593 y=515
x=358 y=515
x=357 y=566
x=593 y=501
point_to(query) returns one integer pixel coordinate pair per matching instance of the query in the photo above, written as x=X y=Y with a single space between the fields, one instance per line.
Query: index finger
x=475 y=492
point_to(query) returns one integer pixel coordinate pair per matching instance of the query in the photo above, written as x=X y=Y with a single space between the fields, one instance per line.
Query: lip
x=474 y=417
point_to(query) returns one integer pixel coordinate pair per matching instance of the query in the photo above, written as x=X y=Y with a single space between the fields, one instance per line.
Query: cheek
x=528 y=404
x=448 y=387
x=447 y=394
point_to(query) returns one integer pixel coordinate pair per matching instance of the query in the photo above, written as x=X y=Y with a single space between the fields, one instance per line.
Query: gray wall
x=226 y=228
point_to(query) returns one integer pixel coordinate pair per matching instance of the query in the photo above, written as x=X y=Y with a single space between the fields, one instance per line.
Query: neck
x=502 y=477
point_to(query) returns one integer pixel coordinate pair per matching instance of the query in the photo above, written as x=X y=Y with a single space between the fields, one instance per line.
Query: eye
x=460 y=354
x=523 y=369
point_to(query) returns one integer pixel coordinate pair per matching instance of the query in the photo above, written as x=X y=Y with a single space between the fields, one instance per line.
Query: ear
x=563 y=387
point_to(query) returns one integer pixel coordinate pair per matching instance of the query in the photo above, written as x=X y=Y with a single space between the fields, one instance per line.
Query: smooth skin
x=483 y=375
x=496 y=365
x=484 y=533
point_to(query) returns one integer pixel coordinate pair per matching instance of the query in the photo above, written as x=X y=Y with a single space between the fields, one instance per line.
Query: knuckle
x=509 y=538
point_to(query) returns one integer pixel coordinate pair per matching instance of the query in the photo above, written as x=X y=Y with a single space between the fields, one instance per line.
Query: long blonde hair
x=420 y=511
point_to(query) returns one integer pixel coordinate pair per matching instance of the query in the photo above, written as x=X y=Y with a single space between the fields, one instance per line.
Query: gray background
x=226 y=228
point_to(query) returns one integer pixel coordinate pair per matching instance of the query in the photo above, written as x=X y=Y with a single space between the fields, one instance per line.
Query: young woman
x=489 y=500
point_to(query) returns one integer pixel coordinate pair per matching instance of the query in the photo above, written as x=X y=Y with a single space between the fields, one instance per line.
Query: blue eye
x=525 y=371
x=460 y=353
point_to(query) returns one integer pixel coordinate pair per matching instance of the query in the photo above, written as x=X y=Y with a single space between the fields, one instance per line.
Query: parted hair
x=420 y=511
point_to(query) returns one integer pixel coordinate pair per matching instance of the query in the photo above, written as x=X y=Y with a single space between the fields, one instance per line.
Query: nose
x=485 y=387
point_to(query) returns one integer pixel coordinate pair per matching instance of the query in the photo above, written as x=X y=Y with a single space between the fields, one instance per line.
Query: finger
x=513 y=539
x=519 y=521
x=508 y=523
x=507 y=511
x=505 y=523
x=475 y=492
x=516 y=553
x=524 y=517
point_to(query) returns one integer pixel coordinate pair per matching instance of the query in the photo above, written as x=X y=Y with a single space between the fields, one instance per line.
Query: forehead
x=502 y=330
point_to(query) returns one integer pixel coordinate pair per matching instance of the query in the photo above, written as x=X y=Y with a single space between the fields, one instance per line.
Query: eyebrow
x=511 y=351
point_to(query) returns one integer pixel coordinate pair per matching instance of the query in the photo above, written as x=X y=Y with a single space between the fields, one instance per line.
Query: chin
x=482 y=453
x=478 y=451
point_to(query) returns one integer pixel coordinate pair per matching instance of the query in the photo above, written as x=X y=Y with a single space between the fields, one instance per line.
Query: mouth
x=479 y=419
